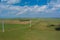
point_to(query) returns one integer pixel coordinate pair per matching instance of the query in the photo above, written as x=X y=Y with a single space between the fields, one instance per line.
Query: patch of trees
x=56 y=27
x=51 y=25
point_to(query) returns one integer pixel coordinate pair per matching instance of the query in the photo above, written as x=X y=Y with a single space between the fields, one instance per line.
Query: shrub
x=57 y=29
x=51 y=25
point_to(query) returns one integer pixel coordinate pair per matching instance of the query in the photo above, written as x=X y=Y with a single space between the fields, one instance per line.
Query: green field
x=41 y=29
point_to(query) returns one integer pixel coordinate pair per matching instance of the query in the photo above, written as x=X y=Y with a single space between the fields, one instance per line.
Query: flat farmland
x=41 y=29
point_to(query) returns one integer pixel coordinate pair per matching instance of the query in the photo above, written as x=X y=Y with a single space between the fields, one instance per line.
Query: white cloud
x=32 y=9
x=17 y=10
x=24 y=9
x=41 y=9
x=22 y=12
x=54 y=4
x=10 y=1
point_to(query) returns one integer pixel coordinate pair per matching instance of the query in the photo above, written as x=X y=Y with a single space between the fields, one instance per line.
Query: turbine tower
x=3 y=26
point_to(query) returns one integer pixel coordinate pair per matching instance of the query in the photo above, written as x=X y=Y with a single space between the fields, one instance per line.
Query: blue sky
x=32 y=2
x=29 y=8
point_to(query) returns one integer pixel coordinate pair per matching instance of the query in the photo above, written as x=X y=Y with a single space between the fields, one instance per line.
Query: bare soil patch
x=15 y=22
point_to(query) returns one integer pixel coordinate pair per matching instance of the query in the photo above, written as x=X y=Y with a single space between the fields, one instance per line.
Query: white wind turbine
x=3 y=30
x=3 y=26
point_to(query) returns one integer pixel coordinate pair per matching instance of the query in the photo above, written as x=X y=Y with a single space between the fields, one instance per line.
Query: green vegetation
x=41 y=29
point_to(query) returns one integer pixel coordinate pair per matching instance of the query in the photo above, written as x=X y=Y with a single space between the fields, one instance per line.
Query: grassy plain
x=40 y=30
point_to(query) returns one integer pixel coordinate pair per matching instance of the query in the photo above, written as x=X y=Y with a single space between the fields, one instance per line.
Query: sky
x=29 y=8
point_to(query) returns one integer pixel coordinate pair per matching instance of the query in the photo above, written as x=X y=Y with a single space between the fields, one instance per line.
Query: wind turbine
x=3 y=30
x=2 y=21
x=3 y=26
x=30 y=23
